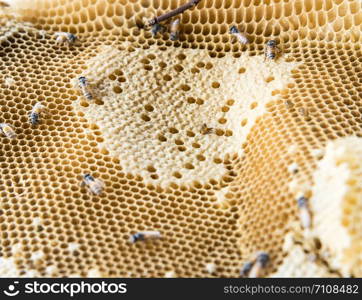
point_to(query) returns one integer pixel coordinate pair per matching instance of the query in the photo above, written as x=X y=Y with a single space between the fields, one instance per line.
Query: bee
x=240 y=36
x=83 y=85
x=210 y=268
x=304 y=112
x=206 y=130
x=7 y=130
x=157 y=28
x=288 y=104
x=94 y=185
x=36 y=113
x=9 y=81
x=271 y=50
x=245 y=269
x=260 y=263
x=304 y=213
x=293 y=168
x=175 y=30
x=65 y=37
x=170 y=274
x=145 y=236
x=42 y=34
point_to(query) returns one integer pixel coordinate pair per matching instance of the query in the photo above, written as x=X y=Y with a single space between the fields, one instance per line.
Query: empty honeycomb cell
x=226 y=188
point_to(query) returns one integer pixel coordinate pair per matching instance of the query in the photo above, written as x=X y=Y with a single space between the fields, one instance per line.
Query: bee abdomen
x=7 y=131
x=243 y=39
x=174 y=36
x=34 y=118
x=11 y=134
x=270 y=55
x=97 y=190
x=88 y=95
x=175 y=30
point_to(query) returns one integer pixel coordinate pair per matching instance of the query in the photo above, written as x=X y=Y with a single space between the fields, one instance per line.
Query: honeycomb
x=301 y=260
x=337 y=216
x=216 y=198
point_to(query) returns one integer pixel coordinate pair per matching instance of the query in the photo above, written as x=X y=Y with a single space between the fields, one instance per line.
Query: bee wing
x=99 y=182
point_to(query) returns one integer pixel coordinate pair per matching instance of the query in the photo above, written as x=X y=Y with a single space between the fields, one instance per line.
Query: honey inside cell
x=217 y=198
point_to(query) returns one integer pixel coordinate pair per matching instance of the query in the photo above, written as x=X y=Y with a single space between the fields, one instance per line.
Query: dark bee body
x=145 y=236
x=34 y=118
x=7 y=130
x=65 y=37
x=260 y=263
x=83 y=85
x=304 y=213
x=72 y=38
x=157 y=28
x=94 y=185
x=241 y=37
x=36 y=113
x=245 y=269
x=175 y=30
x=271 y=50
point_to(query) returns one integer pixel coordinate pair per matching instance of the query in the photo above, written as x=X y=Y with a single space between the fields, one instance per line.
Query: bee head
x=87 y=176
x=245 y=269
x=262 y=258
x=156 y=28
x=82 y=80
x=136 y=237
x=72 y=38
x=302 y=201
x=234 y=29
x=271 y=43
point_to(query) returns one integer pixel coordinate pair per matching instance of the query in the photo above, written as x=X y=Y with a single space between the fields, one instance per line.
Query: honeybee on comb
x=36 y=113
x=9 y=81
x=83 y=85
x=206 y=130
x=175 y=30
x=157 y=28
x=245 y=269
x=65 y=37
x=7 y=130
x=259 y=265
x=240 y=36
x=304 y=213
x=94 y=185
x=145 y=236
x=271 y=50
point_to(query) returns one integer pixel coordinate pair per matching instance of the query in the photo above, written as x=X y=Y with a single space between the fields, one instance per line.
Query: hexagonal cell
x=217 y=196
